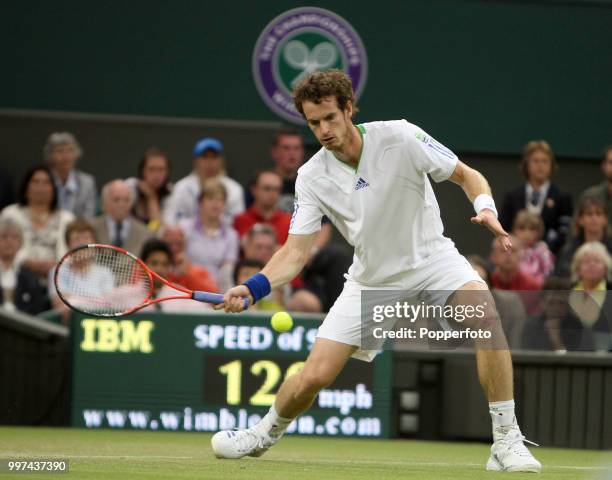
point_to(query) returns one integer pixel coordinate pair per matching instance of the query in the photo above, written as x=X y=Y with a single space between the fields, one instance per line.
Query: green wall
x=482 y=76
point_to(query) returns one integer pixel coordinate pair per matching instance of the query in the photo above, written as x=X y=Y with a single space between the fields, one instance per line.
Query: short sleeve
x=431 y=156
x=307 y=215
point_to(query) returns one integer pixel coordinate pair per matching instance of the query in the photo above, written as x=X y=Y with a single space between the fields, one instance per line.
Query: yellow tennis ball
x=282 y=322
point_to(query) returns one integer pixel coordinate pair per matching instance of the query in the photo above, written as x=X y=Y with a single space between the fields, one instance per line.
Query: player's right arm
x=283 y=267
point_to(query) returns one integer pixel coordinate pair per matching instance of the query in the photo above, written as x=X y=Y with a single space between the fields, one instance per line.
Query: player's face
x=329 y=124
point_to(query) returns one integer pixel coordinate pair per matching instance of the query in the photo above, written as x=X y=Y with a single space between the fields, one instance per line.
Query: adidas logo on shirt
x=361 y=183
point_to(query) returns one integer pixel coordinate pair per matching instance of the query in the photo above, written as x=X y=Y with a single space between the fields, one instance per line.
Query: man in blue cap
x=208 y=163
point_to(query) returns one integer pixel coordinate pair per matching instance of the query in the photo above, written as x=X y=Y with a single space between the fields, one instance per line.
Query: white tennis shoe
x=509 y=453
x=240 y=443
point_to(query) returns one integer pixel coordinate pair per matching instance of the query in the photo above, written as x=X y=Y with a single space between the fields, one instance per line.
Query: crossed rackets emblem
x=299 y=56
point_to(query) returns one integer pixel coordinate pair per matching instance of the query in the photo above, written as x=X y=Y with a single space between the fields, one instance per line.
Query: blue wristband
x=259 y=286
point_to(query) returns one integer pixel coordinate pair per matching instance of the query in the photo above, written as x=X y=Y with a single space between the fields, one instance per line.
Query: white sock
x=502 y=413
x=275 y=425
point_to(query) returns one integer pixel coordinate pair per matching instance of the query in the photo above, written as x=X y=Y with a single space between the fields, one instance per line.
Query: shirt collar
x=71 y=184
x=600 y=287
x=543 y=189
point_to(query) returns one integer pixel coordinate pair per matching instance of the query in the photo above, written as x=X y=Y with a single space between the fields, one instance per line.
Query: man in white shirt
x=208 y=163
x=371 y=181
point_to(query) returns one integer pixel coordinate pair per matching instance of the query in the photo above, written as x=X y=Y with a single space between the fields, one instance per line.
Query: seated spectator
x=590 y=302
x=151 y=188
x=42 y=222
x=603 y=190
x=590 y=224
x=266 y=192
x=507 y=274
x=544 y=331
x=509 y=305
x=537 y=261
x=208 y=163
x=20 y=288
x=538 y=195
x=117 y=226
x=7 y=192
x=158 y=257
x=244 y=270
x=78 y=232
x=211 y=243
x=185 y=273
x=259 y=245
x=287 y=154
x=76 y=190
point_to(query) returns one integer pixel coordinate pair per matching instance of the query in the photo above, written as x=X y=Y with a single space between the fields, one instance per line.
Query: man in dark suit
x=539 y=195
x=117 y=226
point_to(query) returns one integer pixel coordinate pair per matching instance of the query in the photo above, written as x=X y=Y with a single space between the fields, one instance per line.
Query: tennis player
x=371 y=181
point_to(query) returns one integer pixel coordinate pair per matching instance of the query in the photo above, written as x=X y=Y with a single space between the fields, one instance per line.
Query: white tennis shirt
x=386 y=207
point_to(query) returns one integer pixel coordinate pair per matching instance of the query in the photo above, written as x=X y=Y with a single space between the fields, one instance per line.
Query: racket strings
x=103 y=281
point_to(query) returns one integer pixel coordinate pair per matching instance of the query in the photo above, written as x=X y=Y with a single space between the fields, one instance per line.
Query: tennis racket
x=108 y=281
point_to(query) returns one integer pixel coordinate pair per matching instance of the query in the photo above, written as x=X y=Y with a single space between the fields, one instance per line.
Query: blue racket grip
x=214 y=298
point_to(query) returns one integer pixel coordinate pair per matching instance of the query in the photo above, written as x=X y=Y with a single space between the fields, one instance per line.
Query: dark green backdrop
x=484 y=76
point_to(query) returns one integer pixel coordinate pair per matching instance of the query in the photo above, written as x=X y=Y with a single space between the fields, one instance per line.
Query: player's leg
x=325 y=361
x=494 y=365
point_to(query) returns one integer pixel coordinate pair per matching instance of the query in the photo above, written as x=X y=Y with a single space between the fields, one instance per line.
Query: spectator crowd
x=208 y=232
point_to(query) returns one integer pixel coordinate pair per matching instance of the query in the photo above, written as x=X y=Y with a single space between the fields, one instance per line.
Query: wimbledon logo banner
x=299 y=42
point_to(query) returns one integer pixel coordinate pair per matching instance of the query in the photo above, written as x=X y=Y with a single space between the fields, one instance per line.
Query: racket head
x=103 y=280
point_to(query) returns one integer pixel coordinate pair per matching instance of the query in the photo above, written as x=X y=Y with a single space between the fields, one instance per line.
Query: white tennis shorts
x=444 y=271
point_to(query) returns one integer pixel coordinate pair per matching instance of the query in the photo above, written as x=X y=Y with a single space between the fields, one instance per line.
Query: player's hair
x=77 y=226
x=591 y=248
x=285 y=132
x=331 y=83
x=536 y=146
x=212 y=187
x=527 y=219
x=27 y=178
x=155 y=245
x=57 y=139
x=164 y=189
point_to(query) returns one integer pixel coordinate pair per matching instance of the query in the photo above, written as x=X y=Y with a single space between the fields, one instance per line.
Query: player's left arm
x=477 y=189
